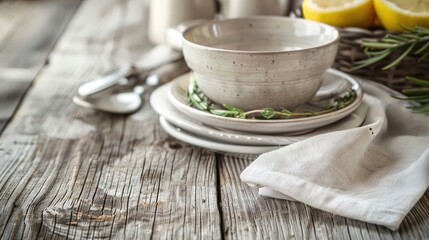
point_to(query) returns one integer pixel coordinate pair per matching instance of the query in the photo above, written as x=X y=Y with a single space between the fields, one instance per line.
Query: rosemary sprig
x=419 y=95
x=197 y=99
x=413 y=42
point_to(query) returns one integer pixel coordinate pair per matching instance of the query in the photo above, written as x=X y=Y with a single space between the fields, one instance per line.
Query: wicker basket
x=350 y=51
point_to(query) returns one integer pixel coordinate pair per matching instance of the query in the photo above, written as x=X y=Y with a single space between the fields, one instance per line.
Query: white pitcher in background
x=243 y=8
x=167 y=13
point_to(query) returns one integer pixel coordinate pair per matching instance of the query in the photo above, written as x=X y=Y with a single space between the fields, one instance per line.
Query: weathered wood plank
x=28 y=31
x=247 y=215
x=69 y=172
x=10 y=95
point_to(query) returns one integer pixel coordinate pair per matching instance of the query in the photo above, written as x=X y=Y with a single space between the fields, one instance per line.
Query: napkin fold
x=374 y=173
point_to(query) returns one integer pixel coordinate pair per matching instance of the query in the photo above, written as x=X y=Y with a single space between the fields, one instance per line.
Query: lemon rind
x=351 y=5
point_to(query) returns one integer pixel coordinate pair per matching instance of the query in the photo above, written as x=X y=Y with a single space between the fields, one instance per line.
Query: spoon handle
x=167 y=73
x=161 y=76
x=108 y=80
x=128 y=74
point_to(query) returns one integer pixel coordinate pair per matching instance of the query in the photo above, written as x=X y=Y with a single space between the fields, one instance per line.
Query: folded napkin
x=374 y=173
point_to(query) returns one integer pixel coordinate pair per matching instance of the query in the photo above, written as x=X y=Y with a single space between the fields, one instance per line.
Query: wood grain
x=28 y=31
x=247 y=215
x=69 y=172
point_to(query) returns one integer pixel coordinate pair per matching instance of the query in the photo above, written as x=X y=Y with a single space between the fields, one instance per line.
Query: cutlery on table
x=130 y=101
x=128 y=73
x=119 y=90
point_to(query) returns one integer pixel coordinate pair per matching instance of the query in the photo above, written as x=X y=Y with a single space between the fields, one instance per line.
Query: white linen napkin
x=374 y=173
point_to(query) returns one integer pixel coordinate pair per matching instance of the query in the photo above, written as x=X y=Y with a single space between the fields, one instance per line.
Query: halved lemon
x=394 y=13
x=340 y=13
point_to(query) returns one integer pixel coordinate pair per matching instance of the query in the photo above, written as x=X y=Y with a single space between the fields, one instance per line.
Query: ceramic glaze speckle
x=260 y=62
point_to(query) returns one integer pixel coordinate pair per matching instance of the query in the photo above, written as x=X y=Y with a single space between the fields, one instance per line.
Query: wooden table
x=70 y=172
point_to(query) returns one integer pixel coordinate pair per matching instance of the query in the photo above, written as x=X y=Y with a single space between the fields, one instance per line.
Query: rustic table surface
x=70 y=172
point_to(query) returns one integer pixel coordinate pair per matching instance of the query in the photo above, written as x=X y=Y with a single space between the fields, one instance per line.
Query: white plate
x=184 y=136
x=333 y=81
x=163 y=107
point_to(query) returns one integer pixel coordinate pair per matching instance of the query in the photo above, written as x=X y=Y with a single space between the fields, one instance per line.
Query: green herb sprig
x=413 y=42
x=197 y=99
x=419 y=95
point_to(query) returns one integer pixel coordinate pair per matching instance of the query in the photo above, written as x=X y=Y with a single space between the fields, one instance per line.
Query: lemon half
x=394 y=13
x=340 y=13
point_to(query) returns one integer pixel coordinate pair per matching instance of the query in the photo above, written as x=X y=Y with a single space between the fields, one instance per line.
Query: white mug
x=243 y=8
x=168 y=13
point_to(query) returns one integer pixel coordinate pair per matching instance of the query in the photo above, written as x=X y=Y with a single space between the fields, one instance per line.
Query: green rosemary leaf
x=241 y=115
x=371 y=53
x=224 y=113
x=199 y=104
x=416 y=91
x=286 y=113
x=410 y=36
x=411 y=98
x=423 y=57
x=409 y=29
x=268 y=113
x=370 y=61
x=192 y=86
x=390 y=40
x=396 y=37
x=378 y=45
x=310 y=113
x=229 y=107
x=399 y=59
x=421 y=29
x=423 y=48
x=420 y=109
x=219 y=112
x=422 y=101
x=417 y=81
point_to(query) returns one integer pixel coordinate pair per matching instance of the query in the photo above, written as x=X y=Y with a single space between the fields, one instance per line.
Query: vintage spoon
x=130 y=102
x=119 y=103
x=128 y=73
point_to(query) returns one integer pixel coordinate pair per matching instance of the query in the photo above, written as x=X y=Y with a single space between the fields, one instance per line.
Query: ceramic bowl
x=259 y=62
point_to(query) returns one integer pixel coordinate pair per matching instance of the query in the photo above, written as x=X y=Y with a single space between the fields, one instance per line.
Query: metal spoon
x=127 y=73
x=119 y=103
x=130 y=102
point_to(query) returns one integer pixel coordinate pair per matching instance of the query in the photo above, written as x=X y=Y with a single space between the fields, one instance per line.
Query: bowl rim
x=211 y=22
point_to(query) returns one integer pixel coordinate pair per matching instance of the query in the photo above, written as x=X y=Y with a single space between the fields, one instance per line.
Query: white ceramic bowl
x=258 y=62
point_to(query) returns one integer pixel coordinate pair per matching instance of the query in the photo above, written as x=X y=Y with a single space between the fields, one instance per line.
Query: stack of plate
x=253 y=136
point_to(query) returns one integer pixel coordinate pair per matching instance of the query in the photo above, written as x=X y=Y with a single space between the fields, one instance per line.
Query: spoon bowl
x=119 y=103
